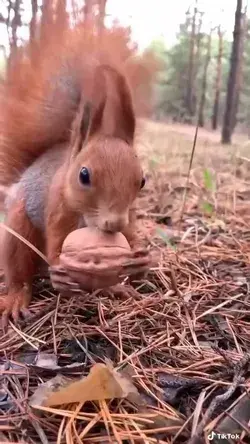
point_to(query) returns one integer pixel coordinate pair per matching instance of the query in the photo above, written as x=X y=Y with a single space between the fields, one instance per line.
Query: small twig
x=25 y=241
x=188 y=177
x=239 y=423
x=221 y=398
x=80 y=345
x=174 y=281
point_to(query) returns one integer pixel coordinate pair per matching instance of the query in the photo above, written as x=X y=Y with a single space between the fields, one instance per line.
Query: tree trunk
x=8 y=20
x=218 y=81
x=101 y=17
x=46 y=19
x=15 y=23
x=33 y=21
x=239 y=77
x=88 y=12
x=232 y=78
x=61 y=15
x=248 y=121
x=75 y=10
x=190 y=85
x=204 y=82
x=198 y=40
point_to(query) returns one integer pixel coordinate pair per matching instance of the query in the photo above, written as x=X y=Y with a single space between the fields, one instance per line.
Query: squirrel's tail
x=41 y=96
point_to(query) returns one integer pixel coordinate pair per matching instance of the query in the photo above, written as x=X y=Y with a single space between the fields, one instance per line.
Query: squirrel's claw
x=120 y=291
x=61 y=281
x=139 y=264
x=13 y=305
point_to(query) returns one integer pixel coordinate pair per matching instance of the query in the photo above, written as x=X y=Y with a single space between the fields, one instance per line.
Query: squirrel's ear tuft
x=119 y=117
x=87 y=123
x=85 y=119
x=92 y=118
x=79 y=129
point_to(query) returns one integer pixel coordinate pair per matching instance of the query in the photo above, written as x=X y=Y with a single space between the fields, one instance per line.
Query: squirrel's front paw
x=61 y=281
x=139 y=264
x=14 y=305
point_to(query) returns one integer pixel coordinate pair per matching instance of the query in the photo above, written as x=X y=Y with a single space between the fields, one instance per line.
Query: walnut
x=94 y=259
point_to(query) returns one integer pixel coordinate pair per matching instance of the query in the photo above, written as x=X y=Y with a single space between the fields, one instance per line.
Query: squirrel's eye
x=143 y=182
x=84 y=176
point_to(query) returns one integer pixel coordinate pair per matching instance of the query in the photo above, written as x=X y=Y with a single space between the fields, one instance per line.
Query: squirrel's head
x=103 y=182
x=104 y=174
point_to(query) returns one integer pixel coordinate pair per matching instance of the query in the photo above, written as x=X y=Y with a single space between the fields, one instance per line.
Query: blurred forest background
x=204 y=76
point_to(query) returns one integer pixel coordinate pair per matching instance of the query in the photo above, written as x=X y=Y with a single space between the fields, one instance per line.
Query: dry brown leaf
x=238 y=420
x=103 y=382
x=44 y=390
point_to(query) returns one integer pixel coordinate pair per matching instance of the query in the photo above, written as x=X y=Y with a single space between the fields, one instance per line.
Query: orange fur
x=60 y=220
x=62 y=94
x=41 y=94
x=19 y=261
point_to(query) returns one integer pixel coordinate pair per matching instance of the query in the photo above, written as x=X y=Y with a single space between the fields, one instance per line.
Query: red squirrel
x=68 y=154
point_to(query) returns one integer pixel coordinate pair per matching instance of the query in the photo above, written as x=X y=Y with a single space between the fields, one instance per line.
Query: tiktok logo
x=233 y=436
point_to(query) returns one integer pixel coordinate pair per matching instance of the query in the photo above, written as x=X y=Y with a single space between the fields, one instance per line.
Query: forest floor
x=181 y=337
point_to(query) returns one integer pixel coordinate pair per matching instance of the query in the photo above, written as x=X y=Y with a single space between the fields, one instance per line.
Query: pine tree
x=229 y=116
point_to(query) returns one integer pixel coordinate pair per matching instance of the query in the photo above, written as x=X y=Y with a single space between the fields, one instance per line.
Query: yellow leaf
x=102 y=382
